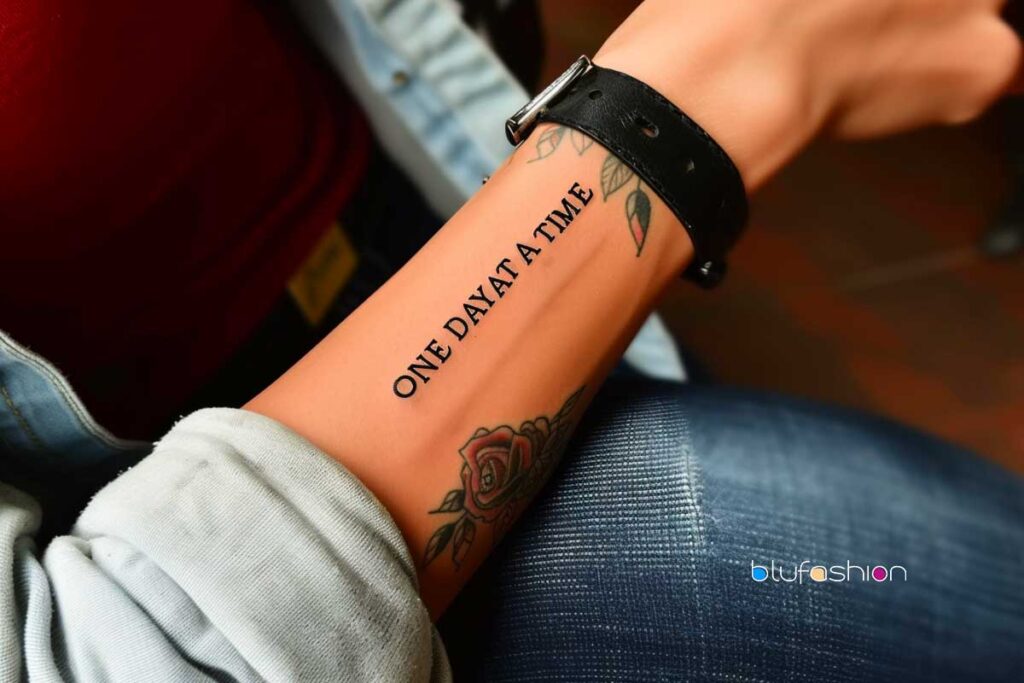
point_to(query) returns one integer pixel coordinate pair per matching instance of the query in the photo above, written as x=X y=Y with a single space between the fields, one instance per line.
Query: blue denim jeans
x=639 y=561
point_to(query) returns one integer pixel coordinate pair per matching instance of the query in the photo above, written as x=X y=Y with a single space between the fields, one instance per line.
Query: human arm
x=762 y=80
x=239 y=547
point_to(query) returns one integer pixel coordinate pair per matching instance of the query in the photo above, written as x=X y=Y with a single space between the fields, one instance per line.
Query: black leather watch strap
x=668 y=150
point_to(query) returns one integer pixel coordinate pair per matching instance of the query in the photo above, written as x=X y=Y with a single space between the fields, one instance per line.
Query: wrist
x=752 y=97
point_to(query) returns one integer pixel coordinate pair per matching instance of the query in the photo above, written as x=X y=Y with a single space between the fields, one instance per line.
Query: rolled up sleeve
x=236 y=549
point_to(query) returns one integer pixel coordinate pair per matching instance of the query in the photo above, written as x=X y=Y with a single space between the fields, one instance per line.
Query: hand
x=765 y=76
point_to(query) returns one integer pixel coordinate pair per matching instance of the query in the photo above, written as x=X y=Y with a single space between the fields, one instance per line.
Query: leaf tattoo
x=548 y=142
x=452 y=502
x=580 y=141
x=502 y=469
x=614 y=174
x=465 y=532
x=638 y=213
x=438 y=542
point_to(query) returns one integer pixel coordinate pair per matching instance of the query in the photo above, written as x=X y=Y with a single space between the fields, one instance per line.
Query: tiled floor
x=859 y=281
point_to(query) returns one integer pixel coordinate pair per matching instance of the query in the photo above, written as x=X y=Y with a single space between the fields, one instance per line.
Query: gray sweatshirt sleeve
x=236 y=550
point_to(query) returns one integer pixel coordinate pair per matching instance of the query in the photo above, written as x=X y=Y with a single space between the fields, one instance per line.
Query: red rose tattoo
x=496 y=468
x=502 y=469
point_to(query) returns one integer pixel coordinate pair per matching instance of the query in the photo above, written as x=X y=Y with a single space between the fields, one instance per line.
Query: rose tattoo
x=502 y=469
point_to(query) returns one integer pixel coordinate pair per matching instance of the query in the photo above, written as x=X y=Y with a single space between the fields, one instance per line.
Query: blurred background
x=866 y=273
x=885 y=276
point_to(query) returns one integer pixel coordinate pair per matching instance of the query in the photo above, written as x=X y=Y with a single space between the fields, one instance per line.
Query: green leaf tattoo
x=638 y=213
x=465 y=532
x=548 y=142
x=502 y=469
x=452 y=502
x=614 y=174
x=580 y=141
x=438 y=542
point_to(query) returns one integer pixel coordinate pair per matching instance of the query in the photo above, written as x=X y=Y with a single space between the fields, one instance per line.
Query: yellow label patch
x=318 y=281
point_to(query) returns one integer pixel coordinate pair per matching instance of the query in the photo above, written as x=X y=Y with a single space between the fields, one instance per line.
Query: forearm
x=536 y=307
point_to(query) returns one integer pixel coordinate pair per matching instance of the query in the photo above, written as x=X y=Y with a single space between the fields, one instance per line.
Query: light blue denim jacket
x=437 y=96
x=237 y=549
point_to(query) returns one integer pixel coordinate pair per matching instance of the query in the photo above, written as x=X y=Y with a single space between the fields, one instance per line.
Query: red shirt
x=164 y=168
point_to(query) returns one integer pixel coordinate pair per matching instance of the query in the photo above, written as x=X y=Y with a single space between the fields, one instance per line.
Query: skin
x=763 y=78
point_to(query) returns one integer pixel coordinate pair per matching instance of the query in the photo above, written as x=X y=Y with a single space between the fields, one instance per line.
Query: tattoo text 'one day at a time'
x=491 y=290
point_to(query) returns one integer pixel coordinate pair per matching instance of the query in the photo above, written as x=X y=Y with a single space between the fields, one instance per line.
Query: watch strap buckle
x=519 y=126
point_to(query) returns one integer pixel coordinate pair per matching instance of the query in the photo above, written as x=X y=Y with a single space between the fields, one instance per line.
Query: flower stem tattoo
x=502 y=469
x=614 y=176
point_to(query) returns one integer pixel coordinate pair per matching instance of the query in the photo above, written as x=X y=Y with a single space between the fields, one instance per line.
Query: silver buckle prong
x=520 y=124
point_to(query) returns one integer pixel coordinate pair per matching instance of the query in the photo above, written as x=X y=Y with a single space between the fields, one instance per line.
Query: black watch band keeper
x=671 y=153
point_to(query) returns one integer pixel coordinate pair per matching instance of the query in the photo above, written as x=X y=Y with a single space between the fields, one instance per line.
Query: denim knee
x=637 y=562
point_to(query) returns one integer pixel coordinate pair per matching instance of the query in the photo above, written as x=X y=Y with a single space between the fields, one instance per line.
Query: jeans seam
x=71 y=401
x=33 y=437
x=694 y=498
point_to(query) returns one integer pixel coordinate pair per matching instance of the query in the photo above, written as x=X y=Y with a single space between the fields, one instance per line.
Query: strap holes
x=595 y=94
x=690 y=166
x=646 y=127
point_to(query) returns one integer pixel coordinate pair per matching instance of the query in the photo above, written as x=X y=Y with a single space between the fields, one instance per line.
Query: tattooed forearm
x=502 y=469
x=614 y=176
x=492 y=288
